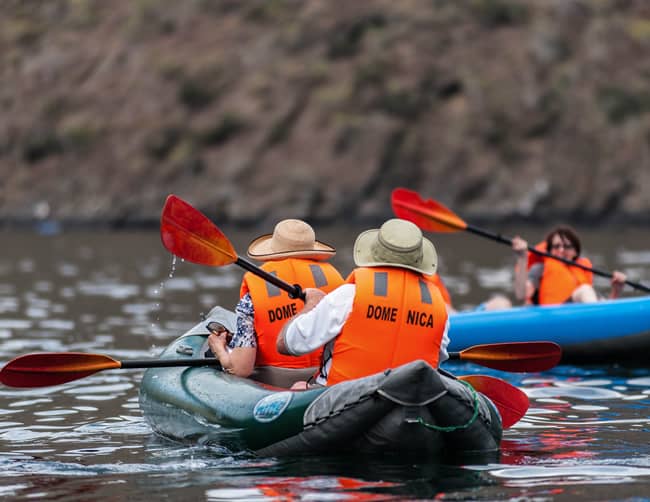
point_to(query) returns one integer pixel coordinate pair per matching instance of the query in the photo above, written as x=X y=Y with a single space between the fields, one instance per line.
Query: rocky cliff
x=258 y=110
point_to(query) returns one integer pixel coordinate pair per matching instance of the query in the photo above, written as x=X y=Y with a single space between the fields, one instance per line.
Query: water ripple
x=180 y=461
x=117 y=291
x=597 y=474
x=572 y=391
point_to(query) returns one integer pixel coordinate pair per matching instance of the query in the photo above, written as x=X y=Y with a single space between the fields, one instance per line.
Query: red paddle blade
x=428 y=215
x=53 y=368
x=189 y=234
x=511 y=402
x=515 y=356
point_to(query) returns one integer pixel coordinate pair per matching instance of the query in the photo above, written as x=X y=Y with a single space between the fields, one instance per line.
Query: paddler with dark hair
x=388 y=312
x=544 y=281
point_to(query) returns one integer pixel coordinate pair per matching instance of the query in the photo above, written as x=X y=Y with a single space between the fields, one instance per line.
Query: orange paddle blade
x=189 y=234
x=428 y=215
x=511 y=402
x=514 y=356
x=53 y=368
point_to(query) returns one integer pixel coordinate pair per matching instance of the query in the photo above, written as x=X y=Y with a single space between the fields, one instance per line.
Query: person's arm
x=521 y=284
x=618 y=283
x=319 y=322
x=239 y=361
x=535 y=274
x=238 y=357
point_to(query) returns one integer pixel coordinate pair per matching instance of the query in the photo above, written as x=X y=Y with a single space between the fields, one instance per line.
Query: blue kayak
x=614 y=331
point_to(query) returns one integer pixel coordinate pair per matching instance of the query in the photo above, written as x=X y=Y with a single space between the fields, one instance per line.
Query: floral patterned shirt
x=246 y=336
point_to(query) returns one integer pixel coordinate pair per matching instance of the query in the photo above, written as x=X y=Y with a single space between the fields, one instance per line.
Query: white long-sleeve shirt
x=321 y=325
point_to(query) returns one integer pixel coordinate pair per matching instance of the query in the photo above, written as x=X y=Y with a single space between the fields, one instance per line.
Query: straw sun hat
x=398 y=243
x=290 y=239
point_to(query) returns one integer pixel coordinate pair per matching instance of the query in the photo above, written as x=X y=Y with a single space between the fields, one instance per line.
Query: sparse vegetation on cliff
x=502 y=109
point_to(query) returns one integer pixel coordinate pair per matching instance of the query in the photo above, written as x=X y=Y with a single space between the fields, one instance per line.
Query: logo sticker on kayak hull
x=271 y=407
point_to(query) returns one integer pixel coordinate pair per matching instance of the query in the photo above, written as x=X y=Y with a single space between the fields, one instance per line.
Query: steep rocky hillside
x=257 y=110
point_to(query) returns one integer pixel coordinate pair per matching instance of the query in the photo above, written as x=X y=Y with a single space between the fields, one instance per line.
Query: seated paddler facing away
x=386 y=314
x=293 y=254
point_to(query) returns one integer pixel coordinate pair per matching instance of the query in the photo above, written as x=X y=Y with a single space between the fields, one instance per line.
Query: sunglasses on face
x=562 y=245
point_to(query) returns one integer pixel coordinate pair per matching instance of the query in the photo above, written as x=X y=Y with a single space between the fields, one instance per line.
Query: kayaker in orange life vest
x=293 y=254
x=545 y=281
x=388 y=312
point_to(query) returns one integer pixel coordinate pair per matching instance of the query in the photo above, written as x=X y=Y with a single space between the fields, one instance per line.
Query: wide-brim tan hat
x=398 y=243
x=290 y=239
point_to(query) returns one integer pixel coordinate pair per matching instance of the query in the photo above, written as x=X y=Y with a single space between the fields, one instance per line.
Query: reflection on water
x=122 y=295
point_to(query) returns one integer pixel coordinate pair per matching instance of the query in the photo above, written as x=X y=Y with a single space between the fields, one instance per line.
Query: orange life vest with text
x=273 y=307
x=398 y=316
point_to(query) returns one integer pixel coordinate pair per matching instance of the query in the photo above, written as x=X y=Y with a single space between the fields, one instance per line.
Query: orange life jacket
x=560 y=280
x=273 y=307
x=397 y=316
x=435 y=278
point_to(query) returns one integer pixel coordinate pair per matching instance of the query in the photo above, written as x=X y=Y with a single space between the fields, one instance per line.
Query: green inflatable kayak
x=412 y=409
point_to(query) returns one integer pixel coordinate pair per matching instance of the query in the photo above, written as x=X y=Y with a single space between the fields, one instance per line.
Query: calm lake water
x=122 y=294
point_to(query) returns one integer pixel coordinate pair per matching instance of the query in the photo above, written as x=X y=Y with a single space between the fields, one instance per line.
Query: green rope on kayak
x=452 y=428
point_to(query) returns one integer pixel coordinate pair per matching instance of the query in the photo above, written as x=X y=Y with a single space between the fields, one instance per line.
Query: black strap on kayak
x=452 y=428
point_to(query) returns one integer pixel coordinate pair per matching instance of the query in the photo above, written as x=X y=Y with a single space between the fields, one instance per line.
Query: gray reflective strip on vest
x=319 y=277
x=271 y=289
x=381 y=284
x=425 y=294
